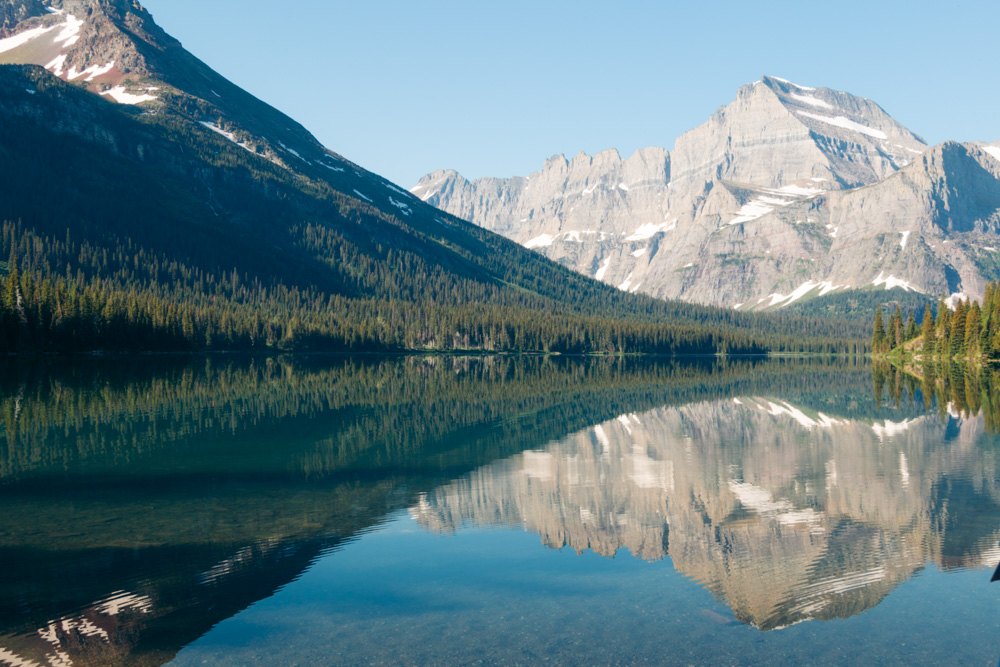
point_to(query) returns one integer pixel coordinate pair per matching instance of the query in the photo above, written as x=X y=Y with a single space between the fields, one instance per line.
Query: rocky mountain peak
x=102 y=44
x=115 y=49
x=777 y=132
x=787 y=193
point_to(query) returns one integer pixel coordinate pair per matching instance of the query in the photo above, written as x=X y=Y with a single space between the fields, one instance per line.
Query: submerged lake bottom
x=496 y=511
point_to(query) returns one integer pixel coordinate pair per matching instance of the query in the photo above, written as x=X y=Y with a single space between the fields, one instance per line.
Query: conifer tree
x=956 y=341
x=897 y=328
x=878 y=335
x=927 y=331
x=973 y=326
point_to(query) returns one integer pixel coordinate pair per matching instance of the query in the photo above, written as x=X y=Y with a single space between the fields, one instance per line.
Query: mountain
x=150 y=203
x=788 y=193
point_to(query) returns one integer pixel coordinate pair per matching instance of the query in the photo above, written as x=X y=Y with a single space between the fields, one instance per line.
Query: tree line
x=970 y=331
x=60 y=295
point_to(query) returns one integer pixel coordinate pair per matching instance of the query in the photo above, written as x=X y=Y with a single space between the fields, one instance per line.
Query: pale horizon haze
x=491 y=89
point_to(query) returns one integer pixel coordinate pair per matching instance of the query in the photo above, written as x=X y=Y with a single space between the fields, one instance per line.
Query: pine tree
x=878 y=335
x=943 y=327
x=927 y=331
x=973 y=326
x=956 y=341
x=897 y=328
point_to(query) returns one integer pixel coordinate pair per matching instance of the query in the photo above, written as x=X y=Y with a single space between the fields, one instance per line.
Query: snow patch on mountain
x=778 y=78
x=57 y=64
x=395 y=189
x=218 y=130
x=70 y=33
x=649 y=230
x=751 y=211
x=952 y=301
x=92 y=72
x=809 y=99
x=568 y=236
x=122 y=96
x=293 y=152
x=20 y=39
x=602 y=269
x=401 y=205
x=846 y=123
x=540 y=241
x=805 y=288
x=893 y=281
x=767 y=198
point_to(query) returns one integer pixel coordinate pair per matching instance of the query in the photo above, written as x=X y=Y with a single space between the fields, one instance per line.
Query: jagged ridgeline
x=790 y=197
x=149 y=204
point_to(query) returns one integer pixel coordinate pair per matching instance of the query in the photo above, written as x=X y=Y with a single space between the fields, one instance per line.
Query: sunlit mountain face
x=144 y=502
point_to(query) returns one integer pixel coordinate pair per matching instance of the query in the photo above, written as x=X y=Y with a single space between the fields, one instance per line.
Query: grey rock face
x=13 y=12
x=789 y=192
x=776 y=132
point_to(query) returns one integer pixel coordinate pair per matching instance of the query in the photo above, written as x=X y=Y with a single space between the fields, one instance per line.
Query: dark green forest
x=969 y=332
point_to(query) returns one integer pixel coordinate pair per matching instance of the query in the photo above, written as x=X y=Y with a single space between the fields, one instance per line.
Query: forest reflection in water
x=143 y=501
x=952 y=388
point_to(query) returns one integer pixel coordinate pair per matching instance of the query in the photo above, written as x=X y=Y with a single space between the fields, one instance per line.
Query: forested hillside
x=132 y=229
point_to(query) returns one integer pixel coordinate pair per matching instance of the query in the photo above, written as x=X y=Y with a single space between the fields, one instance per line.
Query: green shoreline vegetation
x=951 y=354
x=970 y=333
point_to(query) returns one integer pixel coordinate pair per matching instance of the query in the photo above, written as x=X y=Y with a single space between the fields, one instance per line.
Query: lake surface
x=438 y=510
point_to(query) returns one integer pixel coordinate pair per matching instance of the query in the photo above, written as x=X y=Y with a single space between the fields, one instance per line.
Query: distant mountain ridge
x=145 y=188
x=787 y=193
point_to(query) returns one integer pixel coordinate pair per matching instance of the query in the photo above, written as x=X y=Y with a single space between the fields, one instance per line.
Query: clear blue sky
x=494 y=88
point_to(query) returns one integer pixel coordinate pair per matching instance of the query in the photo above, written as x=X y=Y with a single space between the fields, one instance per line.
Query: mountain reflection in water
x=142 y=502
x=785 y=513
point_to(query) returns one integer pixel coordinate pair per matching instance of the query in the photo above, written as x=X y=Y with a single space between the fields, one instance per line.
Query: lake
x=498 y=510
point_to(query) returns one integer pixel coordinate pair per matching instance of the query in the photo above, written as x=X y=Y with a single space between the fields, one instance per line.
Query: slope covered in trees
x=970 y=331
x=131 y=230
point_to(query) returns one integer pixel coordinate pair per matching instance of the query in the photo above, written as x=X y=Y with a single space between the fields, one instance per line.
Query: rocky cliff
x=788 y=193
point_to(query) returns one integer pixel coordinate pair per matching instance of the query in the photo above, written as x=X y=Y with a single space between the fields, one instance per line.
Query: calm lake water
x=495 y=510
